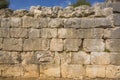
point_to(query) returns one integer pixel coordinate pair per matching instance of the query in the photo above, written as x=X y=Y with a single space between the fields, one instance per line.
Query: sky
x=25 y=4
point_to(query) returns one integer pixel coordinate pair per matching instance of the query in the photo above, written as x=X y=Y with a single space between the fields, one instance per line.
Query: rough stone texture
x=116 y=19
x=18 y=33
x=4 y=32
x=80 y=58
x=34 y=33
x=93 y=45
x=94 y=71
x=48 y=33
x=115 y=58
x=113 y=44
x=35 y=44
x=16 y=22
x=113 y=71
x=100 y=58
x=43 y=22
x=12 y=44
x=56 y=45
x=1 y=43
x=5 y=22
x=72 y=44
x=112 y=33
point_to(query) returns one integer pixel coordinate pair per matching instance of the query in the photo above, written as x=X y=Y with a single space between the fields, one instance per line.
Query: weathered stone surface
x=80 y=58
x=94 y=71
x=112 y=33
x=115 y=58
x=48 y=33
x=55 y=23
x=1 y=43
x=35 y=44
x=116 y=19
x=56 y=45
x=93 y=45
x=11 y=44
x=43 y=22
x=5 y=22
x=4 y=32
x=27 y=58
x=30 y=22
x=113 y=71
x=72 y=44
x=16 y=22
x=72 y=71
x=30 y=70
x=100 y=58
x=68 y=33
x=113 y=44
x=34 y=33
x=18 y=33
x=72 y=23
x=9 y=57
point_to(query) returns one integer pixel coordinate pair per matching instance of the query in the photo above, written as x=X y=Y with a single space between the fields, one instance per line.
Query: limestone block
x=100 y=58
x=116 y=19
x=115 y=58
x=18 y=33
x=72 y=44
x=16 y=22
x=27 y=58
x=4 y=32
x=87 y=23
x=113 y=44
x=9 y=57
x=80 y=58
x=112 y=33
x=1 y=43
x=93 y=45
x=113 y=71
x=5 y=22
x=30 y=22
x=34 y=33
x=56 y=45
x=12 y=44
x=48 y=33
x=72 y=23
x=43 y=22
x=95 y=33
x=30 y=70
x=94 y=71
x=55 y=23
x=72 y=71
x=35 y=44
x=12 y=70
x=68 y=33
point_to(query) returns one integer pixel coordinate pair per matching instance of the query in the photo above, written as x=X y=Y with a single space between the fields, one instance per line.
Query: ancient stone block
x=18 y=33
x=34 y=33
x=55 y=23
x=4 y=32
x=12 y=44
x=72 y=71
x=30 y=70
x=93 y=45
x=48 y=33
x=5 y=22
x=72 y=44
x=113 y=71
x=1 y=43
x=43 y=22
x=80 y=58
x=9 y=57
x=30 y=22
x=56 y=45
x=94 y=71
x=68 y=33
x=100 y=58
x=113 y=44
x=112 y=33
x=72 y=23
x=116 y=19
x=16 y=22
x=115 y=58
x=36 y=44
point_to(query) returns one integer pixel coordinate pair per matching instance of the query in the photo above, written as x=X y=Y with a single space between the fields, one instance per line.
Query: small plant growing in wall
x=4 y=4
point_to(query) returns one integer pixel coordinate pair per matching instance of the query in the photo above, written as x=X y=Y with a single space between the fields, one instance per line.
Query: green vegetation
x=4 y=4
x=81 y=2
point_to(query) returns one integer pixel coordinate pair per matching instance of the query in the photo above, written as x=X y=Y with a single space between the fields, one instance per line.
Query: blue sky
x=25 y=4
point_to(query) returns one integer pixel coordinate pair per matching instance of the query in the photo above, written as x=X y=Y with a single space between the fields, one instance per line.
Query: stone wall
x=42 y=43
